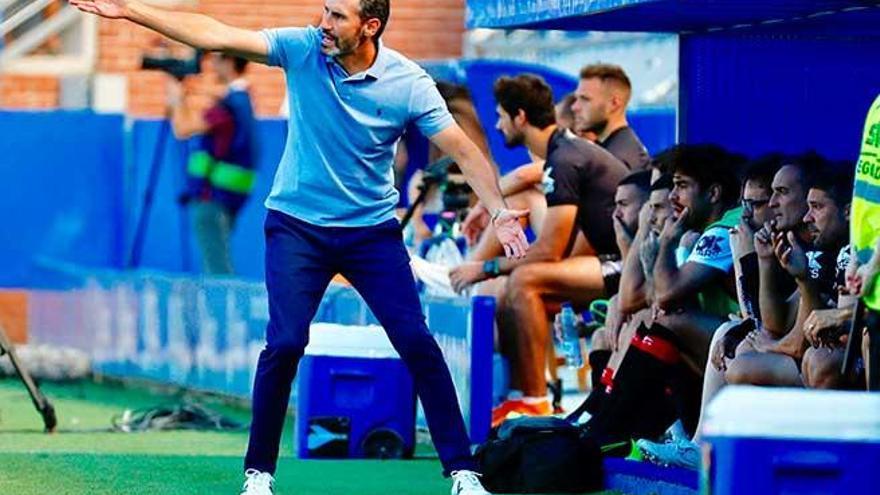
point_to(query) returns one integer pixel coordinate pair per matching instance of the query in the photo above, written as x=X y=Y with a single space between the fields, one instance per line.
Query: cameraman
x=220 y=168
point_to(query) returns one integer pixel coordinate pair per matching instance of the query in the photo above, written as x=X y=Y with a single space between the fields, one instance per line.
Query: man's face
x=755 y=201
x=687 y=193
x=563 y=118
x=223 y=67
x=591 y=105
x=628 y=200
x=513 y=135
x=825 y=219
x=788 y=201
x=661 y=209
x=342 y=28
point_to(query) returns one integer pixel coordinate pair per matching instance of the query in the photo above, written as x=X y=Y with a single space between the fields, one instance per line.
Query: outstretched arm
x=196 y=30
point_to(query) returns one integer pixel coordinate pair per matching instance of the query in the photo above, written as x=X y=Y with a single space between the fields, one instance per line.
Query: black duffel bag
x=540 y=455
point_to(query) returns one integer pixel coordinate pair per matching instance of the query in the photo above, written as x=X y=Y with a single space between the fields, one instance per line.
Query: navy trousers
x=301 y=258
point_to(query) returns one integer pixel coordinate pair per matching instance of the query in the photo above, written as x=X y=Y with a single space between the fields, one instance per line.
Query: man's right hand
x=475 y=223
x=623 y=236
x=648 y=250
x=742 y=239
x=111 y=9
x=764 y=242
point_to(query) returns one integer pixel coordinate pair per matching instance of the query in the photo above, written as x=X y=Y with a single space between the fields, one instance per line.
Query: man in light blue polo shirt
x=331 y=208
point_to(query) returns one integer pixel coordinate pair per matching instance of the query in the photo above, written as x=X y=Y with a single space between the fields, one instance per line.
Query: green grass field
x=80 y=459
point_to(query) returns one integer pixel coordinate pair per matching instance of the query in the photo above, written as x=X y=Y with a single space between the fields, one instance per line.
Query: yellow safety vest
x=865 y=215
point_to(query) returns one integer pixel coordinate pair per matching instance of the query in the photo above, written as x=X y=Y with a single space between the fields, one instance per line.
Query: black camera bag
x=540 y=455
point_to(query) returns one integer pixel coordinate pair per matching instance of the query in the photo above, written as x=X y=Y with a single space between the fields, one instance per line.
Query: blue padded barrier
x=169 y=244
x=61 y=194
x=77 y=196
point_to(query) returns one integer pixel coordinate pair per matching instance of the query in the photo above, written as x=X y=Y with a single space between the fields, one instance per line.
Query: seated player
x=692 y=292
x=580 y=179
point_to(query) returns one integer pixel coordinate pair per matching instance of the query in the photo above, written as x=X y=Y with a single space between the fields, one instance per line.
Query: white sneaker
x=676 y=452
x=257 y=483
x=467 y=483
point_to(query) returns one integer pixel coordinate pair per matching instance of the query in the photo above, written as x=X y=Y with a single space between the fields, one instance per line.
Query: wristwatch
x=496 y=213
x=491 y=267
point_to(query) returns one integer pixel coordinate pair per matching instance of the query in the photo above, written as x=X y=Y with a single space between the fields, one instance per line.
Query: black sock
x=598 y=361
x=640 y=405
x=688 y=396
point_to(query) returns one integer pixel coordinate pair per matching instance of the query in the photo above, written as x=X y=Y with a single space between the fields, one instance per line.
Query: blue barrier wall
x=72 y=188
x=61 y=190
x=169 y=244
x=72 y=185
x=755 y=92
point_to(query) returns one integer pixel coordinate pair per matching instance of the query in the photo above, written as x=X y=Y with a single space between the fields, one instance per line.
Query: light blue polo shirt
x=336 y=170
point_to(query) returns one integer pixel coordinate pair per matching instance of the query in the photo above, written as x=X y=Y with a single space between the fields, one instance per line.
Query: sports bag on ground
x=540 y=455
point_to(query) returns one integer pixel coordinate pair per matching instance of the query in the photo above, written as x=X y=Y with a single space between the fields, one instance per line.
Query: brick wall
x=420 y=29
x=28 y=91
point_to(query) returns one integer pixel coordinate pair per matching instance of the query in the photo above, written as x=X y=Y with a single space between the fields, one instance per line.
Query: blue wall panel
x=169 y=244
x=655 y=127
x=757 y=93
x=60 y=190
x=72 y=187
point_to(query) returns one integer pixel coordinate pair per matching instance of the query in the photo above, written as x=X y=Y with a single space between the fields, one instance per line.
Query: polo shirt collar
x=375 y=71
x=380 y=64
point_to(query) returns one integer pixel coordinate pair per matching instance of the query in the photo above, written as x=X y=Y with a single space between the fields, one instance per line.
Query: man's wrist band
x=492 y=267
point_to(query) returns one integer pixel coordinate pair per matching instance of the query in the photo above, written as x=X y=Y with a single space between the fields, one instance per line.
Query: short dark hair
x=662 y=182
x=529 y=93
x=239 y=63
x=380 y=9
x=663 y=161
x=810 y=164
x=641 y=179
x=836 y=179
x=710 y=164
x=762 y=169
x=565 y=104
x=606 y=72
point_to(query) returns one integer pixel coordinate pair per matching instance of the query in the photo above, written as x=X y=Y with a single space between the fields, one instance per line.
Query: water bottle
x=571 y=345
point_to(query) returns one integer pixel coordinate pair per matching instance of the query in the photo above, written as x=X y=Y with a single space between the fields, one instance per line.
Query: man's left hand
x=466 y=274
x=510 y=232
x=791 y=254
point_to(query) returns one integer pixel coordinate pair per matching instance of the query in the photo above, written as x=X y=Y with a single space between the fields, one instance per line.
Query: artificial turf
x=82 y=459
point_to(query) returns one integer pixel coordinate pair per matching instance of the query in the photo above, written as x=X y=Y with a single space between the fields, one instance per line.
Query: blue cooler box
x=791 y=441
x=355 y=396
